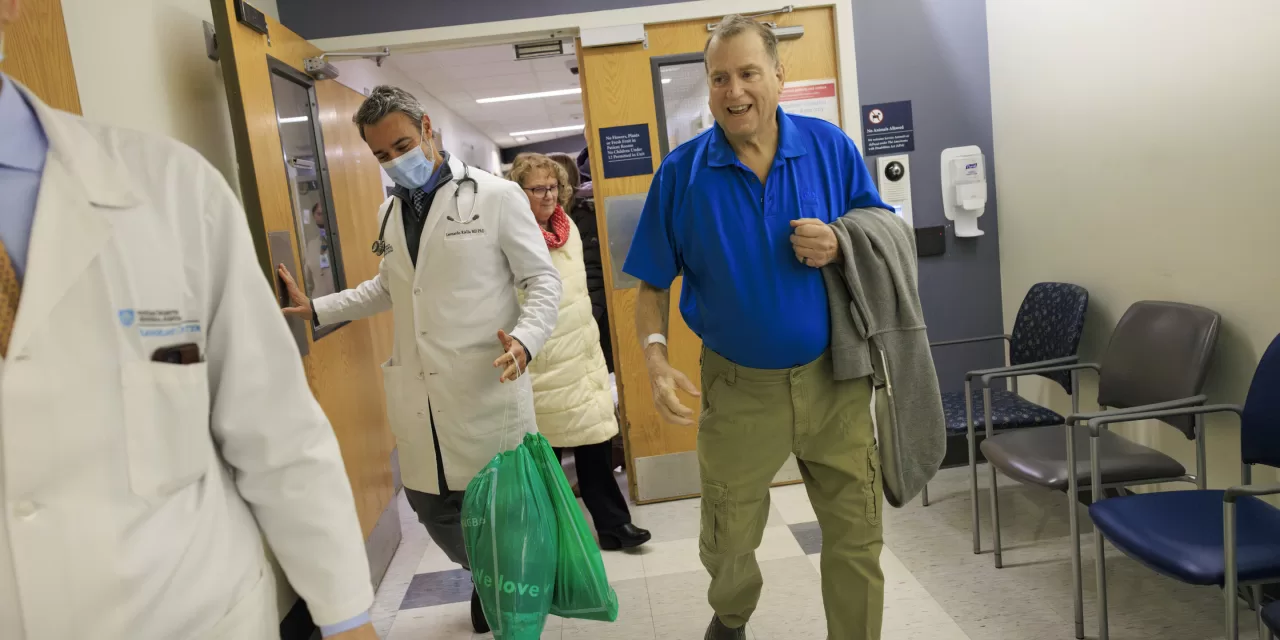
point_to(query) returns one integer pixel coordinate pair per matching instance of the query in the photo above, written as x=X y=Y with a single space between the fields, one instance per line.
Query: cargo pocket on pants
x=873 y=488
x=714 y=501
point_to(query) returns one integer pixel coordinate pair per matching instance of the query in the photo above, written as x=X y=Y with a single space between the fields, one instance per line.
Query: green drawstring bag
x=509 y=528
x=582 y=588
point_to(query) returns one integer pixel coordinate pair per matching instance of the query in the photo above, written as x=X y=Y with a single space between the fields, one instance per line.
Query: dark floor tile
x=809 y=536
x=434 y=589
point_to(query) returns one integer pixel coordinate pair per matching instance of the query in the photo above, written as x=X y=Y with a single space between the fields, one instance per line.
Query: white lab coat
x=136 y=494
x=447 y=315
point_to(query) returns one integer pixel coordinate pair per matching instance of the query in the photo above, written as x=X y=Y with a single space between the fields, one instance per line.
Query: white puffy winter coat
x=571 y=395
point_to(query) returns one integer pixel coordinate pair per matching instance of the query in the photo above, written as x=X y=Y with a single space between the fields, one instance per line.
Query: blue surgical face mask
x=411 y=170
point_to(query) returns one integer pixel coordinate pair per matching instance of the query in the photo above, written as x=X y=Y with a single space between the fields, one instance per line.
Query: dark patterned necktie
x=419 y=203
x=10 y=292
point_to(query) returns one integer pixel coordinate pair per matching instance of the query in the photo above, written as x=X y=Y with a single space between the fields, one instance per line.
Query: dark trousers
x=599 y=489
x=441 y=514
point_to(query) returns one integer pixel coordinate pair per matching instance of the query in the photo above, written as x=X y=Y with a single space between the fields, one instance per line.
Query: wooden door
x=342 y=365
x=618 y=90
x=37 y=54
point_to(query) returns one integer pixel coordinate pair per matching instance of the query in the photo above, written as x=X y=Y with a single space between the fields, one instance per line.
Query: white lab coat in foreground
x=447 y=315
x=136 y=494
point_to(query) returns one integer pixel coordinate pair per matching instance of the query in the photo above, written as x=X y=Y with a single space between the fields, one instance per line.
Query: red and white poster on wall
x=815 y=98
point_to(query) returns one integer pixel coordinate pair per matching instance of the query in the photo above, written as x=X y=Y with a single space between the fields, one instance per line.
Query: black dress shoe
x=477 y=614
x=624 y=537
x=718 y=631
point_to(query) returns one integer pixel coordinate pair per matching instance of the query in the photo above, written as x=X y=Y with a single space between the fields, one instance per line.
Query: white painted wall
x=142 y=65
x=1136 y=144
x=460 y=137
x=269 y=7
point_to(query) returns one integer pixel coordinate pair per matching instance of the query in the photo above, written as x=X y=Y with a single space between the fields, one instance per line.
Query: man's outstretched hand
x=514 y=360
x=665 y=380
x=301 y=304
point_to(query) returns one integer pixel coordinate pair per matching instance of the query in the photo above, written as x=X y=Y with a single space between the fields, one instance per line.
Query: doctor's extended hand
x=513 y=357
x=301 y=303
x=814 y=242
x=664 y=379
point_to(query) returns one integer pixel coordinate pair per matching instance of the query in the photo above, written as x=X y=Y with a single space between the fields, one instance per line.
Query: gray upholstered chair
x=1158 y=358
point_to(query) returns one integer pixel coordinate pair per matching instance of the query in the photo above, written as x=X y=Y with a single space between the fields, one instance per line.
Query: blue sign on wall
x=627 y=151
x=887 y=128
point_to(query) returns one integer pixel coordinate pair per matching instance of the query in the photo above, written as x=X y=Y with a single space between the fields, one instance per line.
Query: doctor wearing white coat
x=155 y=420
x=458 y=244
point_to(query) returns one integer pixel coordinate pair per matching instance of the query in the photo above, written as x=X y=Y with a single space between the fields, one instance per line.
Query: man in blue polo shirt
x=741 y=212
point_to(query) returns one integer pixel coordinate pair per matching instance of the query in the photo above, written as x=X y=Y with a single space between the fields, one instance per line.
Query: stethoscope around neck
x=381 y=247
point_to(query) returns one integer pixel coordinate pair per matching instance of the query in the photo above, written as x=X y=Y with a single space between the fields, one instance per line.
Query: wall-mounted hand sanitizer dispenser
x=964 y=188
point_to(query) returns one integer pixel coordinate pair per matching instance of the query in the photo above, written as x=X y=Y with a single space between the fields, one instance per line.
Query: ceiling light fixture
x=536 y=132
x=297 y=119
x=531 y=96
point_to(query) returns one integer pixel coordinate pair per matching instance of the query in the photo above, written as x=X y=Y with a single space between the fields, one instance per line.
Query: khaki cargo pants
x=751 y=420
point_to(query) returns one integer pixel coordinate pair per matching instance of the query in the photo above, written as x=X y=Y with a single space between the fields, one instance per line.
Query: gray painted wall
x=934 y=53
x=333 y=18
x=570 y=144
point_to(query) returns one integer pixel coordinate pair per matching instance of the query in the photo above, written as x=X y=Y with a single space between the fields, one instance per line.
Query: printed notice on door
x=814 y=98
x=627 y=151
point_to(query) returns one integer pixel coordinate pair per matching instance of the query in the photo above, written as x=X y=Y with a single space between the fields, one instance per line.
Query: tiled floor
x=936 y=588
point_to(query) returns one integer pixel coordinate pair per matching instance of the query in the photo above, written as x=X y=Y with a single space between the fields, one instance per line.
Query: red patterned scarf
x=559 y=233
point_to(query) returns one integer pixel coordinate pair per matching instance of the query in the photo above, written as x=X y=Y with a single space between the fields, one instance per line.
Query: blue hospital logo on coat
x=127 y=317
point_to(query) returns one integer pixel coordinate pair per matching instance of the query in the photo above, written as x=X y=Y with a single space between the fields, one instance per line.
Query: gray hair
x=383 y=101
x=737 y=25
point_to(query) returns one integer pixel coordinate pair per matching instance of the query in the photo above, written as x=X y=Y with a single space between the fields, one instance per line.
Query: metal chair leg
x=1099 y=548
x=995 y=493
x=1099 y=553
x=1073 y=517
x=1229 y=590
x=995 y=520
x=973 y=467
x=1257 y=607
x=924 y=496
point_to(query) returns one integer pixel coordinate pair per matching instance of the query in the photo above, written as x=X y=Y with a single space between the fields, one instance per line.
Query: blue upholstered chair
x=1271 y=619
x=1046 y=333
x=1181 y=534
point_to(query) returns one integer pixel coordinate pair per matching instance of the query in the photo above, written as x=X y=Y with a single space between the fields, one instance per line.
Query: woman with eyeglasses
x=571 y=394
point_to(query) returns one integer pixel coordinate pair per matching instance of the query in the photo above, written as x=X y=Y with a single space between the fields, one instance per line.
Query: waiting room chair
x=1181 y=534
x=1271 y=620
x=1046 y=332
x=1158 y=358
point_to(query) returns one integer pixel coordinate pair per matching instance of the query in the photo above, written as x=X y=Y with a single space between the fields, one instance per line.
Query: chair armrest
x=1159 y=406
x=1020 y=368
x=987 y=378
x=1096 y=423
x=949 y=343
x=1234 y=493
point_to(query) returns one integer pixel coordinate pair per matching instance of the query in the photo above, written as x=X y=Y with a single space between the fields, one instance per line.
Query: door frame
x=570 y=25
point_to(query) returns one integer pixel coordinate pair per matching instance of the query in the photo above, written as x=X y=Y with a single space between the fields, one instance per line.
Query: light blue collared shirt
x=23 y=147
x=335 y=629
